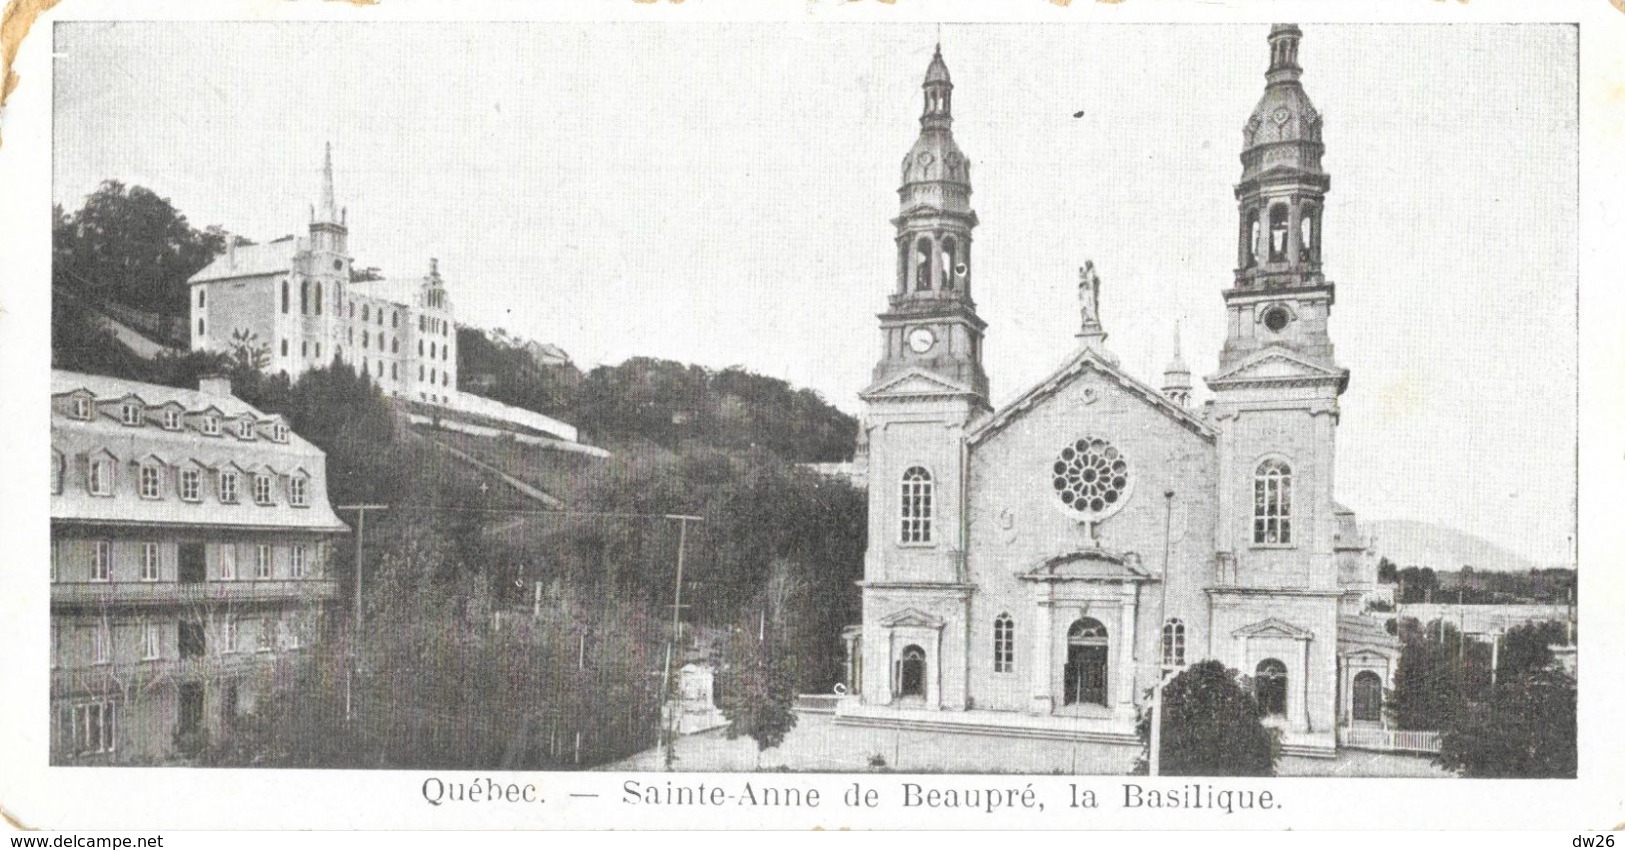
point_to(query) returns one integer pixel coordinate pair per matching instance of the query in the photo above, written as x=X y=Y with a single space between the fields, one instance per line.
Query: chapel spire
x=328 y=230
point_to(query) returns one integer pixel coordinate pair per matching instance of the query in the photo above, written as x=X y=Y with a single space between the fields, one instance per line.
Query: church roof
x=250 y=261
x=1084 y=360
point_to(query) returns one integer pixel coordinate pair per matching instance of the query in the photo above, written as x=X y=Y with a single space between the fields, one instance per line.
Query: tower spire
x=329 y=207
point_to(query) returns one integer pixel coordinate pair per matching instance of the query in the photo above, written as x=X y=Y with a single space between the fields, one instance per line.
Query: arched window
x=902 y=266
x=909 y=677
x=922 y=265
x=1278 y=234
x=304 y=297
x=1309 y=233
x=916 y=514
x=284 y=295
x=1367 y=697
x=1255 y=239
x=318 y=298
x=945 y=262
x=1269 y=686
x=1004 y=644
x=1173 y=643
x=1272 y=504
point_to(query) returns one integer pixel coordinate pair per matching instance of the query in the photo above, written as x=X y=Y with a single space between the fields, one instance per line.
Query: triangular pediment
x=1277 y=366
x=1273 y=627
x=915 y=383
x=912 y=617
x=1094 y=564
x=1086 y=360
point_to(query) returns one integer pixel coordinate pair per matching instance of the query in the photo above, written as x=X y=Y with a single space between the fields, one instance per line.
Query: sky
x=722 y=195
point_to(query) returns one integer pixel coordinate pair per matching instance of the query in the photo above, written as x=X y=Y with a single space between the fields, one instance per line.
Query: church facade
x=1031 y=569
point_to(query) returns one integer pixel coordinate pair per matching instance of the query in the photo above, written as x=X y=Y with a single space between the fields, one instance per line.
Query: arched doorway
x=1367 y=697
x=911 y=672
x=1269 y=686
x=1086 y=652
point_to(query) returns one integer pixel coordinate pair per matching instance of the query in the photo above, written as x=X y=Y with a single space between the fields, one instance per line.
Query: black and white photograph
x=1155 y=410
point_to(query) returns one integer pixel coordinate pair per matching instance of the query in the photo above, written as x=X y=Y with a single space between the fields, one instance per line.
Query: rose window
x=1091 y=476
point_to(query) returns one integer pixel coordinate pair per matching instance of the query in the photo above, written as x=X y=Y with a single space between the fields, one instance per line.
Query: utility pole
x=1154 y=759
x=676 y=624
x=355 y=627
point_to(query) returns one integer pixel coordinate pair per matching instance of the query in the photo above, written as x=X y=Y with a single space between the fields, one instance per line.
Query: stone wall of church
x=232 y=305
x=1311 y=664
x=1017 y=520
x=1303 y=441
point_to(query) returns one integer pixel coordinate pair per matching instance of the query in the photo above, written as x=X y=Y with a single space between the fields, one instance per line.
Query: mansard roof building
x=190 y=541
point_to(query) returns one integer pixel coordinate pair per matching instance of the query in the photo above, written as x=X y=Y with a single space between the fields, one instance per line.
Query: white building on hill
x=295 y=298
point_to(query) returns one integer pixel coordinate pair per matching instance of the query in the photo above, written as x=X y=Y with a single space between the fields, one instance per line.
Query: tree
x=1429 y=689
x=1211 y=726
x=130 y=245
x=1387 y=573
x=1527 y=649
x=758 y=696
x=1525 y=730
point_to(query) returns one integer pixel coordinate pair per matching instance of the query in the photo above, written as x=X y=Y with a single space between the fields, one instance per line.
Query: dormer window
x=228 y=486
x=262 y=489
x=151 y=481
x=299 y=491
x=211 y=425
x=80 y=407
x=130 y=413
x=172 y=420
x=100 y=479
x=190 y=484
x=245 y=429
x=279 y=432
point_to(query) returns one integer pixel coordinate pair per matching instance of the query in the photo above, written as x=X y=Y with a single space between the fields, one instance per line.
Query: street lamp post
x=355 y=628
x=1154 y=759
x=670 y=726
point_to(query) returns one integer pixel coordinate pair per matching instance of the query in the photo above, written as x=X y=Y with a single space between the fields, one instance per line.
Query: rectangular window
x=191 y=565
x=299 y=560
x=57 y=462
x=152 y=479
x=318 y=351
x=81 y=407
x=266 y=640
x=149 y=562
x=245 y=427
x=194 y=642
x=299 y=491
x=94 y=727
x=200 y=327
x=211 y=425
x=228 y=561
x=262 y=489
x=200 y=293
x=228 y=486
x=101 y=477
x=293 y=632
x=231 y=634
x=101 y=643
x=101 y=560
x=152 y=647
x=262 y=561
x=131 y=414
x=191 y=485
x=172 y=420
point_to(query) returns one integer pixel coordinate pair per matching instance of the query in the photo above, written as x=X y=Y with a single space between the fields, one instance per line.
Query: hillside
x=1411 y=543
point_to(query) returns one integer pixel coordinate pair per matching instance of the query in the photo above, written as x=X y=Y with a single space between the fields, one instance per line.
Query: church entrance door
x=1086 y=654
x=1368 y=697
x=911 y=673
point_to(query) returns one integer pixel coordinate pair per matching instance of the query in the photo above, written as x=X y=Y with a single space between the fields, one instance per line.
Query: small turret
x=1176 y=378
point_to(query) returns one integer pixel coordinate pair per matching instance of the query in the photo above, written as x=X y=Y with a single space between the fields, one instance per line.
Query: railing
x=1389 y=740
x=190 y=593
x=109 y=678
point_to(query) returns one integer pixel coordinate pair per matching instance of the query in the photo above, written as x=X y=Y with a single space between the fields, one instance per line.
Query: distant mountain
x=1409 y=543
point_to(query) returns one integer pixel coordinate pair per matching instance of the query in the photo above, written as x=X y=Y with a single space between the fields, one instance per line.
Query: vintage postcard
x=870 y=415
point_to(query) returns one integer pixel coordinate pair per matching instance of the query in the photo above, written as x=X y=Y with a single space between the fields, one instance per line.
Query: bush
x=1211 y=726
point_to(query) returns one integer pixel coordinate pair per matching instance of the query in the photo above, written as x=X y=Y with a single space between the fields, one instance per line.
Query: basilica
x=1032 y=570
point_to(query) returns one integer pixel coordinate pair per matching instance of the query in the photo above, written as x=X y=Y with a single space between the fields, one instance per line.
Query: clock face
x=921 y=340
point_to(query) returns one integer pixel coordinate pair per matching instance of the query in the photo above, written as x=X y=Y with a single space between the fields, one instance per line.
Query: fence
x=1389 y=740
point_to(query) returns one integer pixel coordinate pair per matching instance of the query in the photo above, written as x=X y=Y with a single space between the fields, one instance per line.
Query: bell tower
x=1280 y=298
x=931 y=320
